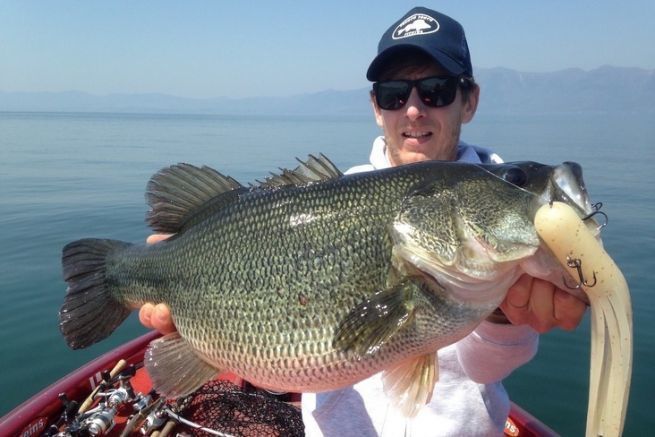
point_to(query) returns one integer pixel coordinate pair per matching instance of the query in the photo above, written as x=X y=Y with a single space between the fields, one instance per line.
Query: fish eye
x=515 y=176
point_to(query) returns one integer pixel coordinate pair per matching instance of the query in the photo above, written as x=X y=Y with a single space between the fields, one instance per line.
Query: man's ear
x=471 y=104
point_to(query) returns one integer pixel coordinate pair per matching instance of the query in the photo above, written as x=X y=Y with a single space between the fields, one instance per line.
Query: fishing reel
x=113 y=397
x=219 y=408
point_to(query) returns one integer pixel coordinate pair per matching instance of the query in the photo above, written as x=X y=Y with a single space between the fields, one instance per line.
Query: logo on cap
x=417 y=24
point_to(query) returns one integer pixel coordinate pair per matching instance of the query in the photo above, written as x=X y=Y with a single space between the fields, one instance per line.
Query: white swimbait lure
x=575 y=246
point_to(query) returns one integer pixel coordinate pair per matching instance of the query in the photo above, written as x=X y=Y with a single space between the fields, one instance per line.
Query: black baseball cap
x=432 y=32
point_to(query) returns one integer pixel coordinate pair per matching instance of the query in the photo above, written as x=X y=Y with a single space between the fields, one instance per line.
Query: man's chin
x=413 y=151
x=412 y=157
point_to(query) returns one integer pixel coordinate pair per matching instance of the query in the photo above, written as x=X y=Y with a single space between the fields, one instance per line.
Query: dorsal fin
x=183 y=194
x=312 y=170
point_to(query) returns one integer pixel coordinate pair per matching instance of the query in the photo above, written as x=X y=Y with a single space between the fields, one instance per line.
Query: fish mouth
x=569 y=186
x=560 y=183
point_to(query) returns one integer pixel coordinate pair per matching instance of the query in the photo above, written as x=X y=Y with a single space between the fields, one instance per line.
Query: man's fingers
x=156 y=238
x=516 y=305
x=162 y=320
x=530 y=302
x=541 y=304
x=568 y=310
x=157 y=317
x=519 y=294
x=145 y=314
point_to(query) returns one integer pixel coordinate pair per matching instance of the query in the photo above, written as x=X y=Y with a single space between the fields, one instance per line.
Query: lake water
x=67 y=176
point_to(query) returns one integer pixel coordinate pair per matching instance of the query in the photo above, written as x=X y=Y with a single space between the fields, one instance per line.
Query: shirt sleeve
x=493 y=351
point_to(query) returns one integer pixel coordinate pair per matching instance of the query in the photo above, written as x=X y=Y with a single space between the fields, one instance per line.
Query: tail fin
x=89 y=313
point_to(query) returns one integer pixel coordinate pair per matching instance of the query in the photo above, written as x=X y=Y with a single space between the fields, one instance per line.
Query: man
x=422 y=94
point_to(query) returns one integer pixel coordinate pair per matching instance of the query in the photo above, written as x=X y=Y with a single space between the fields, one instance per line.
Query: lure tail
x=611 y=315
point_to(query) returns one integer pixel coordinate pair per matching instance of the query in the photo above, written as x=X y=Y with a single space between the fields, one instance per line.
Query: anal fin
x=175 y=368
x=410 y=384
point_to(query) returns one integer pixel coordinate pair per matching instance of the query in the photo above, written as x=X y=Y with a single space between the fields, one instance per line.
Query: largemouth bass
x=312 y=280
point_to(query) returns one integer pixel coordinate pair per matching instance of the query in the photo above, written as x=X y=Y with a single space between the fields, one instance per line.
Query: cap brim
x=376 y=67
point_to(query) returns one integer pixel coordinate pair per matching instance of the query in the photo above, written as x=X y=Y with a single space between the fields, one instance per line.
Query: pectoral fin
x=372 y=323
x=175 y=368
x=410 y=384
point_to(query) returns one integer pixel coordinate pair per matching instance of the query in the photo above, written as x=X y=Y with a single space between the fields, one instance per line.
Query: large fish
x=312 y=280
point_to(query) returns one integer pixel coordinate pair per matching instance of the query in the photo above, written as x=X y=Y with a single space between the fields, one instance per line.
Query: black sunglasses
x=435 y=91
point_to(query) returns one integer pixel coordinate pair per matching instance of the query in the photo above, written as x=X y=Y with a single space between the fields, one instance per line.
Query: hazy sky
x=282 y=47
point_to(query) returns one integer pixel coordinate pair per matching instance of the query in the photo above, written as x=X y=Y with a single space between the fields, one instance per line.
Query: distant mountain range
x=605 y=89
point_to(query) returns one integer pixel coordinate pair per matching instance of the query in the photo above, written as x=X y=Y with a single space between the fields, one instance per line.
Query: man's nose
x=415 y=108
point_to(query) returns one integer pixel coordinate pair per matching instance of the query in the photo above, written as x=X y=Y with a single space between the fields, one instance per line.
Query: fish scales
x=310 y=234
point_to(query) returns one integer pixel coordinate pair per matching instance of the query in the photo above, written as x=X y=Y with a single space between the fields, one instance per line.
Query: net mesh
x=230 y=409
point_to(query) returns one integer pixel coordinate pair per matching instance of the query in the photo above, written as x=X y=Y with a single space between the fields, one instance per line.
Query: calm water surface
x=68 y=176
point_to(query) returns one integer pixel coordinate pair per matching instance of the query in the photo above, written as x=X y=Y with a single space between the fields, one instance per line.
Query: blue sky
x=263 y=48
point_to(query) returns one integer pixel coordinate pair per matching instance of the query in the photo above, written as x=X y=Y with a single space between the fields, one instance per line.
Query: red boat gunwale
x=76 y=384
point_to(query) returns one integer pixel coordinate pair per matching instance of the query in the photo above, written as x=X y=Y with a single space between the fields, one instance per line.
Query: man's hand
x=157 y=316
x=538 y=303
x=156 y=238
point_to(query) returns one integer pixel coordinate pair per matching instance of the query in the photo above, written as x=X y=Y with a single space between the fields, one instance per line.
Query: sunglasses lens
x=437 y=91
x=392 y=94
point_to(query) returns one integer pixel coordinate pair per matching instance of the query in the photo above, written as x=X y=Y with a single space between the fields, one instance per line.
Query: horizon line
x=167 y=94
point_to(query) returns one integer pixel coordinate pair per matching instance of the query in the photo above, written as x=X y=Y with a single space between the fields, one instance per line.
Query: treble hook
x=576 y=263
x=596 y=207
